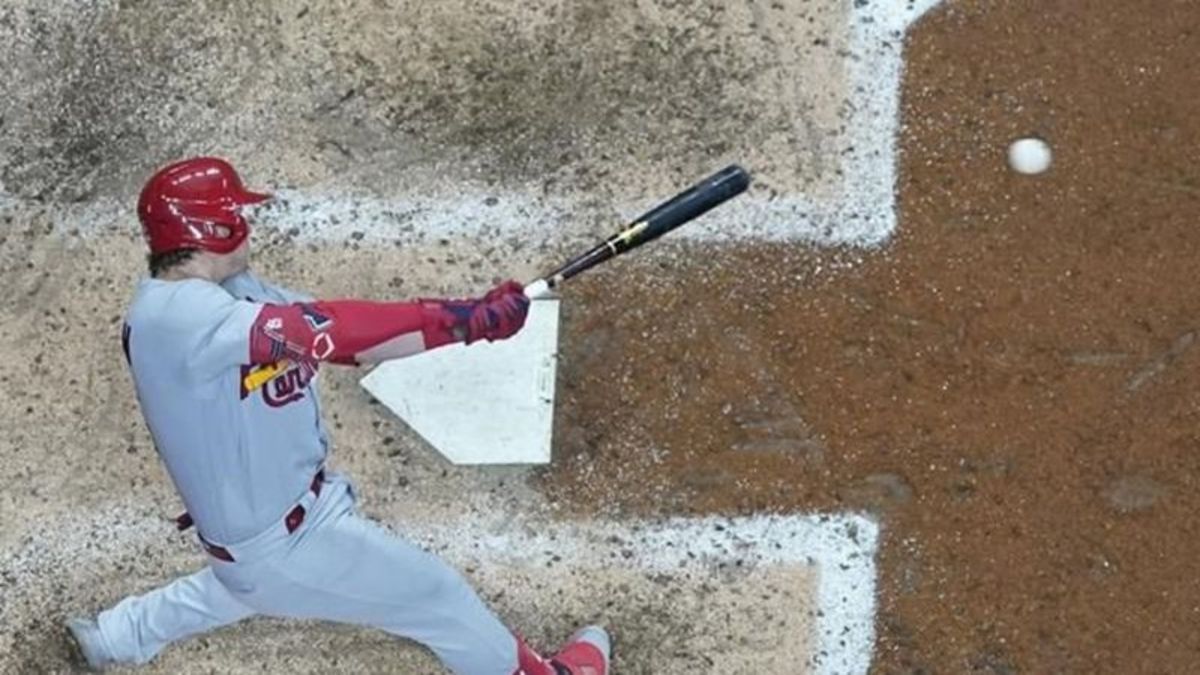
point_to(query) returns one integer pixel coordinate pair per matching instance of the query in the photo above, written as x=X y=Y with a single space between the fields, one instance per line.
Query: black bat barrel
x=686 y=206
x=693 y=202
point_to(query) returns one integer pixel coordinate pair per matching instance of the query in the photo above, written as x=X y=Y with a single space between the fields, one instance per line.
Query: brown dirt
x=1012 y=384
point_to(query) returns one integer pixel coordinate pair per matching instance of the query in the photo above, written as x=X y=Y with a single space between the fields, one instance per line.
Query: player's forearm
x=353 y=331
x=359 y=331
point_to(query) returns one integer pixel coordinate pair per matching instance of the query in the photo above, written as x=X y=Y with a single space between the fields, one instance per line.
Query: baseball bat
x=680 y=209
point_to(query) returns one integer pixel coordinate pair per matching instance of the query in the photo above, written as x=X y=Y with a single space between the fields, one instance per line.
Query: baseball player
x=280 y=531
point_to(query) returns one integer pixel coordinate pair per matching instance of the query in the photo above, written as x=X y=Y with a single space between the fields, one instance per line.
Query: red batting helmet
x=195 y=204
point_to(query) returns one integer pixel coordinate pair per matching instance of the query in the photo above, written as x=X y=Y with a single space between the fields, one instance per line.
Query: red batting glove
x=500 y=314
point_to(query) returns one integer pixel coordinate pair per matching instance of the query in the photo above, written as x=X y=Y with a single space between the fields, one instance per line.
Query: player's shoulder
x=249 y=286
x=178 y=304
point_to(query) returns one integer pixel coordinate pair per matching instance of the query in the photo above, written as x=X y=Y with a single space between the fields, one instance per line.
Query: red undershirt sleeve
x=354 y=331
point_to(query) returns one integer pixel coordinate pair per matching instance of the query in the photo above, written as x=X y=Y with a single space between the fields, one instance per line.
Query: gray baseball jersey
x=240 y=459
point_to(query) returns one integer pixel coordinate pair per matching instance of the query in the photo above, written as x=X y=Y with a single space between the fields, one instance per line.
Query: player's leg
x=371 y=576
x=347 y=568
x=138 y=627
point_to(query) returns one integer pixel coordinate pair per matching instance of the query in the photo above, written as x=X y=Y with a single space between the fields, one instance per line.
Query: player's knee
x=443 y=581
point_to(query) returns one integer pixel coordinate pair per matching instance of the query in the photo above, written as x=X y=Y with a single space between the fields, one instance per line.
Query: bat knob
x=538 y=289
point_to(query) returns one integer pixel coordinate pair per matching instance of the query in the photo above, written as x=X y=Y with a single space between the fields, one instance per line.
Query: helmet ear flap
x=219 y=229
x=206 y=231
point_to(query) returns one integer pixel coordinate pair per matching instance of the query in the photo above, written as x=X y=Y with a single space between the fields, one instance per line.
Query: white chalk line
x=862 y=211
x=840 y=548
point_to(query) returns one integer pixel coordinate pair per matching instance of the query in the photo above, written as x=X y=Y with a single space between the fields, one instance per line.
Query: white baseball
x=1029 y=155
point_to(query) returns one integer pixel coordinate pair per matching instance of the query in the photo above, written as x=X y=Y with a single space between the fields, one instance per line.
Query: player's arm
x=359 y=331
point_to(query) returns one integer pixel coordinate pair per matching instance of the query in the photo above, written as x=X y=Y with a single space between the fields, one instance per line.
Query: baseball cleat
x=89 y=644
x=587 y=653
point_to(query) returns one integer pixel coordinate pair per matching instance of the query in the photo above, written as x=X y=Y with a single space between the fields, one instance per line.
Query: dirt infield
x=1013 y=383
x=415 y=150
x=1010 y=384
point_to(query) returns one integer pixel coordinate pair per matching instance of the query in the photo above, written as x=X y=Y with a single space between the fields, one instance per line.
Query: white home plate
x=489 y=403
